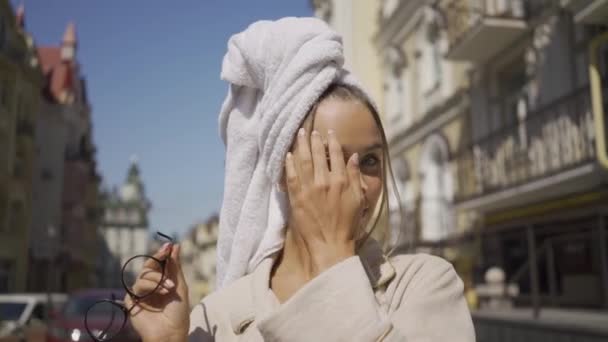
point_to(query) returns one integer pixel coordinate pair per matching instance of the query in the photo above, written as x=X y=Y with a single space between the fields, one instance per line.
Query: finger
x=157 y=277
x=176 y=268
x=321 y=173
x=161 y=254
x=145 y=286
x=336 y=155
x=291 y=175
x=304 y=165
x=354 y=175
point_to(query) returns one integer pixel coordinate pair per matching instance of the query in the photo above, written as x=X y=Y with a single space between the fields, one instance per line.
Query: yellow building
x=396 y=48
x=356 y=22
x=198 y=256
x=497 y=135
x=20 y=88
x=532 y=174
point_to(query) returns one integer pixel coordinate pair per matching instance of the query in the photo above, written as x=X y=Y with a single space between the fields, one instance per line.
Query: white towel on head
x=276 y=70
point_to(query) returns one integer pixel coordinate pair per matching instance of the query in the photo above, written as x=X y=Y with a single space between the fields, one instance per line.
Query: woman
x=329 y=281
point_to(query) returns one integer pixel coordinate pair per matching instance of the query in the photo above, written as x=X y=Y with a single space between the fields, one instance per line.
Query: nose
x=364 y=187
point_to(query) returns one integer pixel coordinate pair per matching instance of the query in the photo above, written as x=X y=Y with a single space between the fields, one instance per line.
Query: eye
x=370 y=161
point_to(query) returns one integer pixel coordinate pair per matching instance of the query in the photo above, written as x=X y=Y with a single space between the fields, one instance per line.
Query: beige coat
x=414 y=298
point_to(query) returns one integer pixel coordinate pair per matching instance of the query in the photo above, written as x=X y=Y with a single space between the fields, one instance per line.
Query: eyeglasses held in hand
x=105 y=319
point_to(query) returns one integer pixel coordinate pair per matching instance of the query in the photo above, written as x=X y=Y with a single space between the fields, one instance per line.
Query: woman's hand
x=165 y=314
x=326 y=203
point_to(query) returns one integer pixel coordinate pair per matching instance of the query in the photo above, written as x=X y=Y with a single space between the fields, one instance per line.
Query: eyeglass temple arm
x=104 y=332
x=164 y=236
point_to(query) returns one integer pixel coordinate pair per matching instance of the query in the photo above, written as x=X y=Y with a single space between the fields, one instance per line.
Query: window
x=12 y=311
x=2 y=32
x=134 y=217
x=431 y=37
x=431 y=66
x=46 y=174
x=6 y=274
x=511 y=100
x=437 y=216
x=396 y=91
x=4 y=94
x=15 y=218
x=39 y=312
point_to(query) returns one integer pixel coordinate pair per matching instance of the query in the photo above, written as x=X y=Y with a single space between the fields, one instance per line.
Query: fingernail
x=315 y=133
x=169 y=283
x=165 y=247
x=355 y=159
x=289 y=155
x=301 y=131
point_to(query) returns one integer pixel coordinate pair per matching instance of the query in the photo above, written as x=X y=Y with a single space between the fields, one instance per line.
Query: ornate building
x=20 y=84
x=420 y=95
x=124 y=227
x=65 y=218
x=495 y=112
x=199 y=258
x=533 y=171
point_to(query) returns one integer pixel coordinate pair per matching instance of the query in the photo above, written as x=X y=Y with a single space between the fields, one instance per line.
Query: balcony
x=550 y=153
x=588 y=11
x=480 y=29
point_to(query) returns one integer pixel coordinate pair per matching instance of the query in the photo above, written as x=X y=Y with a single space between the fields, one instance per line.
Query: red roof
x=59 y=73
x=49 y=57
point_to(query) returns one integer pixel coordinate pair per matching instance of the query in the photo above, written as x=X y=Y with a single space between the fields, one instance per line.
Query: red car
x=69 y=324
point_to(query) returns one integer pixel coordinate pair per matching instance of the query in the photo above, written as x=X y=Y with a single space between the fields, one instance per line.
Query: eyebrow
x=365 y=149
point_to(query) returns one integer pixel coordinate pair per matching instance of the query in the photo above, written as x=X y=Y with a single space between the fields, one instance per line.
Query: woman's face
x=356 y=131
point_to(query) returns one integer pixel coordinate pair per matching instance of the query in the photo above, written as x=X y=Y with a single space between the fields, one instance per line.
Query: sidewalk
x=549 y=319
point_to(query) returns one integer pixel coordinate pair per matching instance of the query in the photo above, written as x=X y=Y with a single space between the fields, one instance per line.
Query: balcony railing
x=478 y=29
x=588 y=11
x=555 y=138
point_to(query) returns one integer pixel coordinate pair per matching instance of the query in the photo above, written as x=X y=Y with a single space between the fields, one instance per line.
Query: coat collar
x=260 y=300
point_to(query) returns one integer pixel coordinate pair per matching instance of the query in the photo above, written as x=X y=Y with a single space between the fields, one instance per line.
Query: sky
x=152 y=70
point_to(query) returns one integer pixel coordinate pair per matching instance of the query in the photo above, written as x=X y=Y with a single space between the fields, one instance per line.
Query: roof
x=58 y=73
x=69 y=37
x=20 y=16
x=50 y=56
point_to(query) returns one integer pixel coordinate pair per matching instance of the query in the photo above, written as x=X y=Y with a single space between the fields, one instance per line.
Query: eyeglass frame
x=135 y=297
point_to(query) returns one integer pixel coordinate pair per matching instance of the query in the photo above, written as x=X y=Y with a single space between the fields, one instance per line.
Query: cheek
x=373 y=188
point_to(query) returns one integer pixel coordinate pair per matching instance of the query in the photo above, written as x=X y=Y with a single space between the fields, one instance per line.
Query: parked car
x=69 y=325
x=25 y=316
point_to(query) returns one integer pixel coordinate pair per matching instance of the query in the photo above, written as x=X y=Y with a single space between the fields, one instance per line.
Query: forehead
x=352 y=121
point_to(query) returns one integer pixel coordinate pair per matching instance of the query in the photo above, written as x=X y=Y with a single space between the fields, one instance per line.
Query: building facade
x=198 y=256
x=65 y=177
x=124 y=229
x=532 y=173
x=497 y=137
x=425 y=120
x=20 y=84
x=422 y=103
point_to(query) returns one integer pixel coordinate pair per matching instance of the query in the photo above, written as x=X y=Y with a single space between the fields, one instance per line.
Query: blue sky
x=152 y=69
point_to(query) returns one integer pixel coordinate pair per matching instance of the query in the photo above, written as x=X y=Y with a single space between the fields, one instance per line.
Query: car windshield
x=78 y=306
x=11 y=311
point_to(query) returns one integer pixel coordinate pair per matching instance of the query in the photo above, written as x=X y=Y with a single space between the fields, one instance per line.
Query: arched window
x=396 y=100
x=437 y=218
